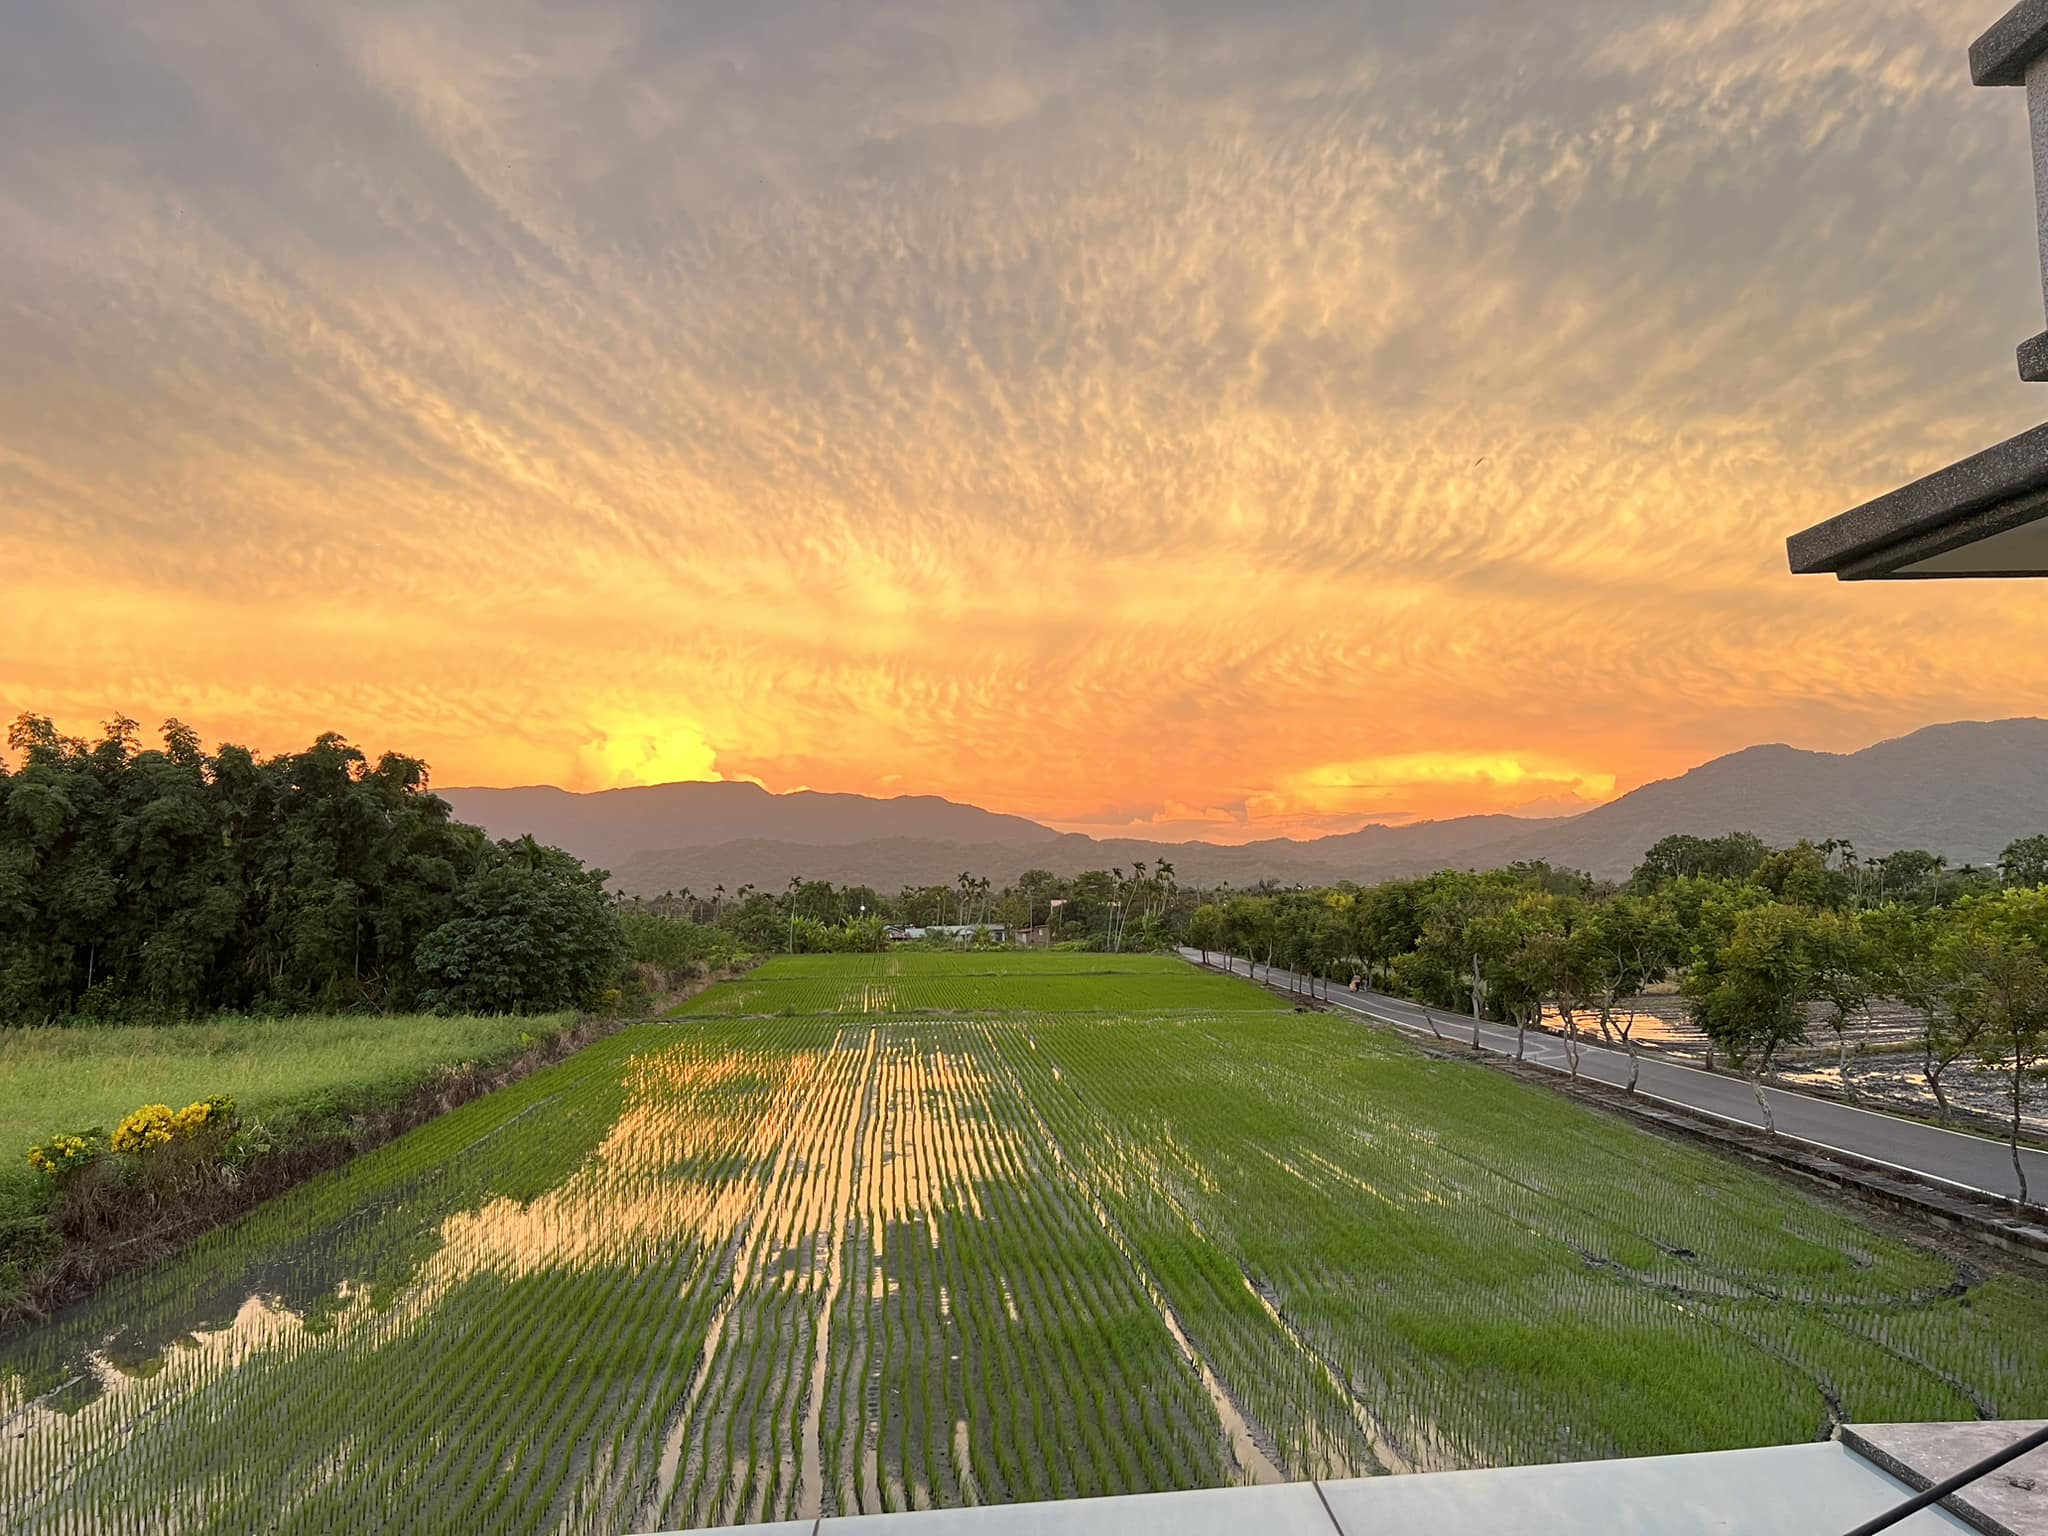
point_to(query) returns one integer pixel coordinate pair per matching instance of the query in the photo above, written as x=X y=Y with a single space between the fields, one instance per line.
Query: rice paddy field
x=1040 y=981
x=877 y=1232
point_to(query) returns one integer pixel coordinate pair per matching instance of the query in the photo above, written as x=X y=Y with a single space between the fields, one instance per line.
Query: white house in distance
x=959 y=933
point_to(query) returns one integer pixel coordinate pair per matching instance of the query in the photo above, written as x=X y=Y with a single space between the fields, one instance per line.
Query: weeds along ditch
x=311 y=1091
x=750 y=1265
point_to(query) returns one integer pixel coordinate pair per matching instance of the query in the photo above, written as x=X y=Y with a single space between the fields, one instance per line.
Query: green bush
x=535 y=934
x=677 y=949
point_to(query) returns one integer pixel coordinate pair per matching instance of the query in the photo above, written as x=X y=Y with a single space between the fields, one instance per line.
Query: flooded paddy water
x=742 y=1266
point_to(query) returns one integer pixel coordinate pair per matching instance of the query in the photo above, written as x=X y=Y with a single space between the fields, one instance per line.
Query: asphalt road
x=1953 y=1157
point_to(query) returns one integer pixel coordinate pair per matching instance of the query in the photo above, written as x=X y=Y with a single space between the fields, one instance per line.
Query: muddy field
x=744 y=1266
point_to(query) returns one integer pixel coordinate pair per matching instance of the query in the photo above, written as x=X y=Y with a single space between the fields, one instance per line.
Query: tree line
x=164 y=881
x=1142 y=908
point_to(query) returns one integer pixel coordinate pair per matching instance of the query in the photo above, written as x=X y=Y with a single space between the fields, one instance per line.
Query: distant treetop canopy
x=140 y=881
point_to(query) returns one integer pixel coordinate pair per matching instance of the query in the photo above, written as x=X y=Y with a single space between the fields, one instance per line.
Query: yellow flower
x=149 y=1126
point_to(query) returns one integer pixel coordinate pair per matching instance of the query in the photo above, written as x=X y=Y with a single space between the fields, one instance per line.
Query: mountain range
x=609 y=827
x=1963 y=790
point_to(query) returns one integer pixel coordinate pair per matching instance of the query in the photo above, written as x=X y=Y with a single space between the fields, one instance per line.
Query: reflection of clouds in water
x=935 y=1137
x=762 y=1127
x=122 y=1393
x=628 y=1200
x=1642 y=1026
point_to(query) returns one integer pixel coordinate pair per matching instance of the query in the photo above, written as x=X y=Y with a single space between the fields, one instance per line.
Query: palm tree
x=1116 y=911
x=1163 y=873
x=476 y=846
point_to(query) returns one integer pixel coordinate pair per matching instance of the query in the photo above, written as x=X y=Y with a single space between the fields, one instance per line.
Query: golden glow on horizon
x=1199 y=427
x=651 y=753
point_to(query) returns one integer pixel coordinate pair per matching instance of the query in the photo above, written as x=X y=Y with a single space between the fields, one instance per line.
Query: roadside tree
x=1206 y=928
x=1922 y=959
x=1749 y=993
x=2000 y=950
x=1248 y=930
x=1385 y=924
x=1626 y=943
x=2025 y=861
x=1843 y=966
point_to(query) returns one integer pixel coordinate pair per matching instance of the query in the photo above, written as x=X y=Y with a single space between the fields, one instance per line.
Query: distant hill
x=1417 y=846
x=889 y=864
x=608 y=826
x=1963 y=790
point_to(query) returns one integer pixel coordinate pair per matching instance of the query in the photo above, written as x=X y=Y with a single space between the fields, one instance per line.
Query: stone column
x=2015 y=52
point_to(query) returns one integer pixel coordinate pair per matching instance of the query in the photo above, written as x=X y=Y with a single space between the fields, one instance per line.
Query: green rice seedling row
x=912 y=983
x=766 y=1262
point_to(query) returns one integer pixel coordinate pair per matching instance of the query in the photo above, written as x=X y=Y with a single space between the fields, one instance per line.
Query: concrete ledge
x=2015 y=40
x=2033 y=359
x=1782 y=1490
x=1991 y=492
x=2012 y=1501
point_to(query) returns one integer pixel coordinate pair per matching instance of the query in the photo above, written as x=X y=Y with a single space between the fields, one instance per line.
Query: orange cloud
x=1255 y=424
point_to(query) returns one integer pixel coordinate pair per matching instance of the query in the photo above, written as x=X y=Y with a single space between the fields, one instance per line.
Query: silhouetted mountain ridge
x=1964 y=790
x=608 y=826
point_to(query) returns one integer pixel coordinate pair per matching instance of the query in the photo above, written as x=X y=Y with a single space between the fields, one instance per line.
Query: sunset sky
x=1186 y=419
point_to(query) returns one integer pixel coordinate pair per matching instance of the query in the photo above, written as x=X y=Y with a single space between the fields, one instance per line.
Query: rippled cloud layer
x=1149 y=416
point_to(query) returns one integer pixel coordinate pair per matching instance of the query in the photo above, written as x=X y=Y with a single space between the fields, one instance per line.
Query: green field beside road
x=756 y=1263
x=305 y=1077
x=61 y=1078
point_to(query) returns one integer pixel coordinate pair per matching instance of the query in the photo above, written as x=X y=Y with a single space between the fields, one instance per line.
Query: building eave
x=1898 y=535
x=2015 y=40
